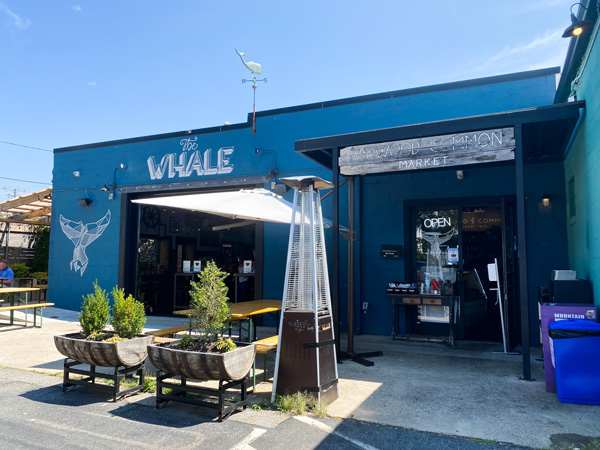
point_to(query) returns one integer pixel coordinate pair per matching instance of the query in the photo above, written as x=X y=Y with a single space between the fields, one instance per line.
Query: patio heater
x=306 y=358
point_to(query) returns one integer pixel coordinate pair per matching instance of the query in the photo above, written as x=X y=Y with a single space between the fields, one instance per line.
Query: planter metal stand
x=119 y=374
x=180 y=391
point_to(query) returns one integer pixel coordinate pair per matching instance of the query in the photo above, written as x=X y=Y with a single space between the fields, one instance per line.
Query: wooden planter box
x=233 y=365
x=105 y=354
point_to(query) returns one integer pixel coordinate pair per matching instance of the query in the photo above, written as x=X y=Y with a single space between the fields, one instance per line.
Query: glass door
x=450 y=248
x=437 y=263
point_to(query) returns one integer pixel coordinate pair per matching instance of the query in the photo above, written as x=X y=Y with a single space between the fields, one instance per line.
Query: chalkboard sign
x=392 y=251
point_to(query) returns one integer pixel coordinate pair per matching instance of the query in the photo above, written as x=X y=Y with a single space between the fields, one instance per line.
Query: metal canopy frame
x=542 y=135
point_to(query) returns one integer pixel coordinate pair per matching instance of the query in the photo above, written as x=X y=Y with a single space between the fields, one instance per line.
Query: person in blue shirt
x=6 y=273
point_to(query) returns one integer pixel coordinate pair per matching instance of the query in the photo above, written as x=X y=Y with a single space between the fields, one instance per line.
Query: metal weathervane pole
x=255 y=68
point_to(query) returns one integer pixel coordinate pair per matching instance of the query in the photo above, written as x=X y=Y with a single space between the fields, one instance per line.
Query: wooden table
x=246 y=310
x=423 y=299
x=43 y=291
x=11 y=292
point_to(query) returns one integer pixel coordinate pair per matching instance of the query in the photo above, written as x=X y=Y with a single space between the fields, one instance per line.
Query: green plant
x=95 y=311
x=209 y=302
x=149 y=385
x=20 y=270
x=42 y=277
x=256 y=407
x=225 y=345
x=101 y=336
x=594 y=444
x=41 y=250
x=128 y=314
x=300 y=403
x=185 y=342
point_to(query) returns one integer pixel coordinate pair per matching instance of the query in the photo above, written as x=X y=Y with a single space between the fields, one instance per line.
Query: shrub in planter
x=95 y=312
x=210 y=304
x=96 y=346
x=203 y=357
x=128 y=315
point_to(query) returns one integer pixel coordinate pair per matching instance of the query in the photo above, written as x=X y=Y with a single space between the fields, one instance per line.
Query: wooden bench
x=169 y=331
x=34 y=306
x=264 y=347
x=160 y=339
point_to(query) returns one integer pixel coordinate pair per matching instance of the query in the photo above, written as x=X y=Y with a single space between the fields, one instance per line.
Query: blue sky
x=83 y=71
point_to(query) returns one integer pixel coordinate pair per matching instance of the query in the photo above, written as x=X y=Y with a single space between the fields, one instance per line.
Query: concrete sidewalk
x=466 y=391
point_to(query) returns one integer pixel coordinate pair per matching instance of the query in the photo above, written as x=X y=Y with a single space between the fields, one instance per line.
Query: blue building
x=479 y=162
x=580 y=81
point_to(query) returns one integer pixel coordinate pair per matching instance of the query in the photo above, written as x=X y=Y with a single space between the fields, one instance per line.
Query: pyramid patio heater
x=306 y=358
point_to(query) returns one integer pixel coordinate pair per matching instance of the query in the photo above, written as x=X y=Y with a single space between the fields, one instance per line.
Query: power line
x=24 y=181
x=26 y=146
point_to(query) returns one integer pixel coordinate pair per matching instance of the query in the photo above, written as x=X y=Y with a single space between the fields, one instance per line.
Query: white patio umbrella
x=246 y=204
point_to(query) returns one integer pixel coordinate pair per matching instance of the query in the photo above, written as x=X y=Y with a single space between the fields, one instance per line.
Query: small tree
x=41 y=235
x=95 y=311
x=128 y=314
x=210 y=303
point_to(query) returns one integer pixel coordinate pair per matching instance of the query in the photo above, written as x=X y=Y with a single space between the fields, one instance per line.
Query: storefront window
x=437 y=258
x=437 y=246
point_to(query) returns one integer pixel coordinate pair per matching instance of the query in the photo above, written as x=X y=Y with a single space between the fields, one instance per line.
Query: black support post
x=350 y=353
x=335 y=257
x=351 y=265
x=522 y=253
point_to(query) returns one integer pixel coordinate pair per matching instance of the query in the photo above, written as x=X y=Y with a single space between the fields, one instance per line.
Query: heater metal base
x=307 y=361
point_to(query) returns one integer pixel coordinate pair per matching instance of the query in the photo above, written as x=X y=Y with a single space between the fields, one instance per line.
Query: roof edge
x=414 y=91
x=327 y=104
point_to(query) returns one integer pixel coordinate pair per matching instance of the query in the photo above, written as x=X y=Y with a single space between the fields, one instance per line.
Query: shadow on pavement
x=53 y=395
x=173 y=416
x=136 y=408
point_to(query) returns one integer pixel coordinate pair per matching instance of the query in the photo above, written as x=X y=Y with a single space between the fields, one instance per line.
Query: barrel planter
x=233 y=365
x=128 y=353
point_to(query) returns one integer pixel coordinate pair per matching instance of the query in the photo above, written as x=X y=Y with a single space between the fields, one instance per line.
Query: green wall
x=582 y=171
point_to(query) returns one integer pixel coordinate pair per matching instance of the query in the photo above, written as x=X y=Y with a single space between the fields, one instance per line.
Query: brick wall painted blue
x=583 y=167
x=277 y=132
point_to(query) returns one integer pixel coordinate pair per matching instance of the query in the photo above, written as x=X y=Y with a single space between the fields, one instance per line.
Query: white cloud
x=548 y=50
x=19 y=22
x=92 y=84
x=549 y=39
x=76 y=8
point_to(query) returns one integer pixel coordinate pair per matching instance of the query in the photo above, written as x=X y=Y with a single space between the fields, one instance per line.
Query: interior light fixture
x=577 y=26
x=545 y=200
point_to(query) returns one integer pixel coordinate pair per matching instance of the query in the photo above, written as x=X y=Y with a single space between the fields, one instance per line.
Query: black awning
x=547 y=131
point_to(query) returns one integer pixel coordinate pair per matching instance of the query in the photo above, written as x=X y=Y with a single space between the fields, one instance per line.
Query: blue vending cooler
x=576 y=360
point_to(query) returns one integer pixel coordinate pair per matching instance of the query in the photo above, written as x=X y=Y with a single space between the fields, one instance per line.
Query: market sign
x=429 y=152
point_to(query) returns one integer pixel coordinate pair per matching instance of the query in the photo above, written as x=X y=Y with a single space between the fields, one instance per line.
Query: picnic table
x=246 y=310
x=13 y=295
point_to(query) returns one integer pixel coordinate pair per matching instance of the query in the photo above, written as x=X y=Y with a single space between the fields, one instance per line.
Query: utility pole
x=14 y=191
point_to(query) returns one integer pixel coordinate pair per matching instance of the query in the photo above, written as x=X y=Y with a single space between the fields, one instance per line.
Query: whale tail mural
x=83 y=235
